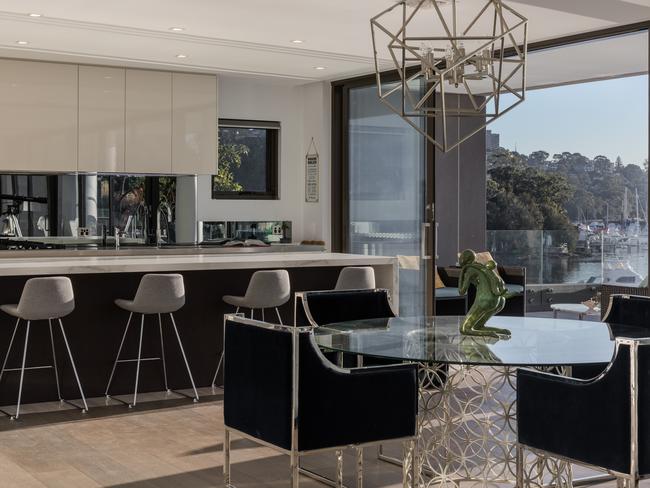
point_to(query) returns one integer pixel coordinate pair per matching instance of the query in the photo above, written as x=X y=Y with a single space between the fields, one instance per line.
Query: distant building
x=492 y=142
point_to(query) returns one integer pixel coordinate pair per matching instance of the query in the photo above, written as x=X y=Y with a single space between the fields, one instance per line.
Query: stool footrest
x=27 y=368
x=136 y=360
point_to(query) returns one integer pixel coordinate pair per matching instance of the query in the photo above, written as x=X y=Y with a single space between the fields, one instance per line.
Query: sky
x=607 y=118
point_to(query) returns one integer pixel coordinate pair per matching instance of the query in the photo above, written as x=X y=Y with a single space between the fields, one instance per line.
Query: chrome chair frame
x=54 y=366
x=294 y=453
x=139 y=359
x=624 y=480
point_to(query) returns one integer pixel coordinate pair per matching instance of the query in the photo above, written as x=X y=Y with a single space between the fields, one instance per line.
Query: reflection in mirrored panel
x=64 y=210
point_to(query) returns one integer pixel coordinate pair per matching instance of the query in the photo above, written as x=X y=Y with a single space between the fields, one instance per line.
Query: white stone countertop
x=33 y=265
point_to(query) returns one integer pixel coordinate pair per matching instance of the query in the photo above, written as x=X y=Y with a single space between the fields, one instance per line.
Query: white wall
x=303 y=111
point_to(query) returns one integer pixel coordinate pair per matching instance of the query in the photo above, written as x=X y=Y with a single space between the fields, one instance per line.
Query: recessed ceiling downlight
x=181 y=56
x=297 y=41
x=22 y=43
x=320 y=68
x=35 y=15
x=177 y=29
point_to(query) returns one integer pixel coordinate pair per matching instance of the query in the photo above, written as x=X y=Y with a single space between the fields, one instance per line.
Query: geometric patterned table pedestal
x=467 y=431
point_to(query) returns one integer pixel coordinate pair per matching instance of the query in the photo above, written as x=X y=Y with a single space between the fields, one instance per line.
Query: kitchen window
x=249 y=152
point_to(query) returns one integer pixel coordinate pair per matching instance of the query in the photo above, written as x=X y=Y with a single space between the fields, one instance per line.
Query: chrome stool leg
x=74 y=369
x=162 y=353
x=11 y=343
x=119 y=352
x=22 y=374
x=187 y=365
x=216 y=373
x=56 y=369
x=220 y=363
x=278 y=314
x=137 y=368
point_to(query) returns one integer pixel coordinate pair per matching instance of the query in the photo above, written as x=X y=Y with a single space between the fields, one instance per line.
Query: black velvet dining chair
x=318 y=308
x=603 y=423
x=627 y=316
x=282 y=392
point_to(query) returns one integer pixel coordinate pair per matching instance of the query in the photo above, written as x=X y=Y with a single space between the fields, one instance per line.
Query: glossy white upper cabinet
x=194 y=112
x=38 y=116
x=101 y=119
x=148 y=121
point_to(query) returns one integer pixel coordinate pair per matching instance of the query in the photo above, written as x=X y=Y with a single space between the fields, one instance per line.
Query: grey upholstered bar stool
x=266 y=289
x=157 y=294
x=49 y=298
x=356 y=278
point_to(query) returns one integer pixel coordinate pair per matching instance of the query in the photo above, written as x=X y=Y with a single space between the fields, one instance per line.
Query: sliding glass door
x=386 y=193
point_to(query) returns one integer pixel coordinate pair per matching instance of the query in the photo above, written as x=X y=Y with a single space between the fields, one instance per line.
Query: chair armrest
x=588 y=421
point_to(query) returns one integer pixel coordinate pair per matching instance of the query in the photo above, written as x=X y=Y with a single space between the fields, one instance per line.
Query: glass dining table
x=467 y=406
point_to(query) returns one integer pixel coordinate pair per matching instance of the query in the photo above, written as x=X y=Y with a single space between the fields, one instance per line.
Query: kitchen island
x=96 y=326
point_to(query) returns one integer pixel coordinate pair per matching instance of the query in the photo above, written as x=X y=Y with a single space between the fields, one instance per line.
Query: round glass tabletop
x=534 y=341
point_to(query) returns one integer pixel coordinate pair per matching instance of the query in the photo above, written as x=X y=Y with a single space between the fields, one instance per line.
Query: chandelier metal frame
x=499 y=59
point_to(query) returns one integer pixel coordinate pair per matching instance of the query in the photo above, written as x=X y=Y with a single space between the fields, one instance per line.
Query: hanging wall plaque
x=312 y=170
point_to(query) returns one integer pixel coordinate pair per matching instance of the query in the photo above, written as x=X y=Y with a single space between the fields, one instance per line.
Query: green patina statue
x=491 y=294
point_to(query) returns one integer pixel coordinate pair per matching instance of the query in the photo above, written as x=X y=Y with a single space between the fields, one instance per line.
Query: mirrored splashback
x=67 y=210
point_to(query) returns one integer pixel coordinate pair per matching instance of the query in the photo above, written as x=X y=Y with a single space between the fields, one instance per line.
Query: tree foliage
x=540 y=192
x=230 y=158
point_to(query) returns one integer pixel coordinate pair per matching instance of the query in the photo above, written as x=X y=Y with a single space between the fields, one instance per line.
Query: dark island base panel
x=96 y=326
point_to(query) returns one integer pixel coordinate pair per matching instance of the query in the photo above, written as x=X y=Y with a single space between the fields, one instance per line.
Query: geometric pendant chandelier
x=441 y=48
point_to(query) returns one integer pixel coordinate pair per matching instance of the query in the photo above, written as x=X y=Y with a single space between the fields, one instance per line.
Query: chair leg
x=252 y=310
x=339 y=469
x=187 y=365
x=137 y=368
x=409 y=465
x=295 y=469
x=22 y=374
x=519 y=456
x=226 y=459
x=11 y=343
x=74 y=368
x=56 y=369
x=278 y=314
x=119 y=352
x=263 y=315
x=162 y=353
x=359 y=467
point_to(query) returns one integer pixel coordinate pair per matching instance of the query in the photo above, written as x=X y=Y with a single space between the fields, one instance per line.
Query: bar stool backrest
x=44 y=298
x=160 y=293
x=356 y=278
x=268 y=289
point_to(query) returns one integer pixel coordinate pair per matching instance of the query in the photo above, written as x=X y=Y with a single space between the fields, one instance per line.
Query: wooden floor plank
x=163 y=443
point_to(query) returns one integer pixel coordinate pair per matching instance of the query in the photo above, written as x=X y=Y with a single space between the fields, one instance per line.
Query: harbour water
x=624 y=265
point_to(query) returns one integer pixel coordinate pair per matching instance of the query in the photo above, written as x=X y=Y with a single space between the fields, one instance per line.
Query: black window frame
x=272 y=162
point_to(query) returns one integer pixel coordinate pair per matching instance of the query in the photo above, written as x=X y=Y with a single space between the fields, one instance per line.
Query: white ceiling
x=252 y=36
